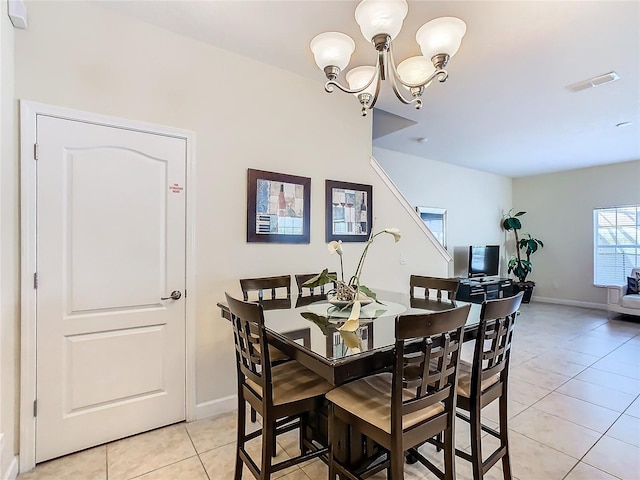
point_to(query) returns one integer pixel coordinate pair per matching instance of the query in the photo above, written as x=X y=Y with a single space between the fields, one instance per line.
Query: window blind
x=616 y=243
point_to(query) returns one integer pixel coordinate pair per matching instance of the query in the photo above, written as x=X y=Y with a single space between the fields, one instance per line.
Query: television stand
x=477 y=290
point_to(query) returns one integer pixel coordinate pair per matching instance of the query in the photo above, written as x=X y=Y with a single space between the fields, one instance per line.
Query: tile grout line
x=601 y=435
x=197 y=452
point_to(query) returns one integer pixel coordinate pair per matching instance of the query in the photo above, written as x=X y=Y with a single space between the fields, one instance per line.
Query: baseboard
x=570 y=303
x=216 y=407
x=8 y=469
x=9 y=466
x=12 y=470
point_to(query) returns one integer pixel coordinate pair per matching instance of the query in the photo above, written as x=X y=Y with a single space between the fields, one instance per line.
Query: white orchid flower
x=353 y=322
x=355 y=311
x=352 y=341
x=395 y=232
x=335 y=247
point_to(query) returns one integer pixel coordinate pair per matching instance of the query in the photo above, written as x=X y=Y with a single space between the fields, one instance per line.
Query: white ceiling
x=505 y=108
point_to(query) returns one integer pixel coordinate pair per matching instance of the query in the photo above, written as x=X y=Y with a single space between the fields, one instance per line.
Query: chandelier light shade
x=362 y=78
x=381 y=17
x=380 y=22
x=442 y=35
x=332 y=49
x=415 y=70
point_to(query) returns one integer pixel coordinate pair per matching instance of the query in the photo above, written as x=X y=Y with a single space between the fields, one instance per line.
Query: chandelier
x=380 y=22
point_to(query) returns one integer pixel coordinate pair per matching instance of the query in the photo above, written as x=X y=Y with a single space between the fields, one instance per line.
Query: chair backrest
x=427 y=353
x=276 y=285
x=319 y=290
x=434 y=285
x=493 y=345
x=252 y=352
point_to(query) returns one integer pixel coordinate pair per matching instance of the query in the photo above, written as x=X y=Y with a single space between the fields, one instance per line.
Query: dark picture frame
x=348 y=211
x=278 y=207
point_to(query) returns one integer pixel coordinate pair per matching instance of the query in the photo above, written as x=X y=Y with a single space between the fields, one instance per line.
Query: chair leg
x=268 y=447
x=449 y=454
x=396 y=465
x=240 y=435
x=476 y=442
x=332 y=443
x=254 y=418
x=504 y=436
x=302 y=430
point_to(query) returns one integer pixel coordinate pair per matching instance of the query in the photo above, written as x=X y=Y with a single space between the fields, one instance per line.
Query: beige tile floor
x=574 y=415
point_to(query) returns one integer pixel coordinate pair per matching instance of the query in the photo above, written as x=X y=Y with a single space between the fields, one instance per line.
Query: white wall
x=475 y=201
x=79 y=55
x=10 y=252
x=559 y=210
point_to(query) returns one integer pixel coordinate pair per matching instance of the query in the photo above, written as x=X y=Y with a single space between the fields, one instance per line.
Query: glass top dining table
x=306 y=328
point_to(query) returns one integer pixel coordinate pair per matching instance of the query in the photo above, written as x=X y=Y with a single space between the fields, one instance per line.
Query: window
x=616 y=243
x=436 y=220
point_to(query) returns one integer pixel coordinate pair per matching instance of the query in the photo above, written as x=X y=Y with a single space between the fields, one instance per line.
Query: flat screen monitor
x=484 y=260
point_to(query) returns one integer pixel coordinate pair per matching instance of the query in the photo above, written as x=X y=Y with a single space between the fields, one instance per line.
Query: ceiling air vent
x=594 y=82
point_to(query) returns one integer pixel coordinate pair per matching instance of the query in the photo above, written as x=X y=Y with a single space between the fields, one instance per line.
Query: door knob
x=175 y=295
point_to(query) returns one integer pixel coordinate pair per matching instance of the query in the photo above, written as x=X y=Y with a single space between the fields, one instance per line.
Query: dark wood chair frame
x=254 y=364
x=440 y=285
x=320 y=290
x=265 y=283
x=426 y=356
x=273 y=301
x=491 y=357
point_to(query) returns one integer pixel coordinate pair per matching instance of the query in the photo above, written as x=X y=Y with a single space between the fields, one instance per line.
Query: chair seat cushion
x=370 y=399
x=464 y=380
x=275 y=355
x=631 y=301
x=292 y=382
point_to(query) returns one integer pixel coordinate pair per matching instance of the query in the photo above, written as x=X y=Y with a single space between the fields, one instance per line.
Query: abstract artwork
x=349 y=211
x=278 y=207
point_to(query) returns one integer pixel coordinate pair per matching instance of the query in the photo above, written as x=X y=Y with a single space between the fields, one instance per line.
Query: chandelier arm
x=328 y=87
x=415 y=100
x=379 y=69
x=394 y=86
x=442 y=75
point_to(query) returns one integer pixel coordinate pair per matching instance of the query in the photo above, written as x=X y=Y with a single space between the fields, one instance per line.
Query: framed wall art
x=349 y=211
x=278 y=207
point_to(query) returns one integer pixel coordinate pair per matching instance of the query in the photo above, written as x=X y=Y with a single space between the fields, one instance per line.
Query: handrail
x=407 y=206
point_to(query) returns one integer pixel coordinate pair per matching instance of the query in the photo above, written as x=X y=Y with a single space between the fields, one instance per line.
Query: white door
x=110 y=245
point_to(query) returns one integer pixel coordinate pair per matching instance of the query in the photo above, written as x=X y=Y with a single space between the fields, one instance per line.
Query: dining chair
x=279 y=292
x=283 y=394
x=274 y=285
x=401 y=409
x=486 y=380
x=430 y=286
x=319 y=290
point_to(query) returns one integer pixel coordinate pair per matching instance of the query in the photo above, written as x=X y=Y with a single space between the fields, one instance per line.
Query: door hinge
x=35 y=280
x=35 y=151
x=35 y=408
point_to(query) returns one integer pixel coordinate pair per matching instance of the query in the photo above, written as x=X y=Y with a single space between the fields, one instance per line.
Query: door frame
x=28 y=315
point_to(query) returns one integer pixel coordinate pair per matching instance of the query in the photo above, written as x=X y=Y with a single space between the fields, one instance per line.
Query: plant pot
x=526 y=287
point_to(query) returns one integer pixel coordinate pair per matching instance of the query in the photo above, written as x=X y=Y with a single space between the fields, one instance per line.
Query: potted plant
x=519 y=266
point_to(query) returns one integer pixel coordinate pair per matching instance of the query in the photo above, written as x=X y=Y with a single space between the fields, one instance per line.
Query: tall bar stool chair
x=416 y=401
x=486 y=379
x=279 y=290
x=319 y=290
x=277 y=286
x=281 y=394
x=308 y=295
x=433 y=285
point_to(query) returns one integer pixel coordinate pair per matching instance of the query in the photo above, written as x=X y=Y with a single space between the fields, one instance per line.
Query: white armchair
x=618 y=300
